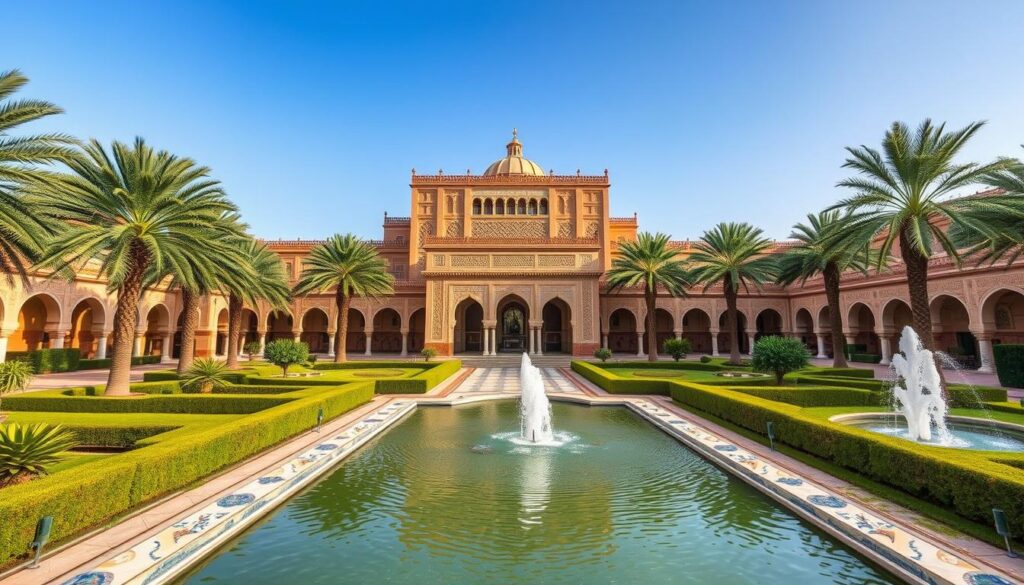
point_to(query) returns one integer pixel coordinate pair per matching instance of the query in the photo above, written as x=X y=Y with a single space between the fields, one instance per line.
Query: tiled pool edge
x=196 y=535
x=906 y=554
x=179 y=546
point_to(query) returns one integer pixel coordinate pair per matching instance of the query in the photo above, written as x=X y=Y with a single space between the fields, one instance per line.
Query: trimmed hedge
x=683 y=365
x=420 y=383
x=964 y=481
x=104 y=363
x=865 y=358
x=115 y=436
x=361 y=364
x=102 y=490
x=613 y=384
x=90 y=399
x=45 y=361
x=809 y=396
x=1010 y=364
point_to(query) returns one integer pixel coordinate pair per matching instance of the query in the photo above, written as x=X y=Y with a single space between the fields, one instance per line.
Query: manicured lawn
x=680 y=374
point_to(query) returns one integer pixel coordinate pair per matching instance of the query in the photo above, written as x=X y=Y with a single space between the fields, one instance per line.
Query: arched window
x=476 y=207
x=522 y=207
x=499 y=207
x=488 y=207
x=510 y=207
x=533 y=207
x=543 y=206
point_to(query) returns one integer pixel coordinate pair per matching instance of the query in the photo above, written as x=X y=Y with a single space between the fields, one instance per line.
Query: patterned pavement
x=506 y=381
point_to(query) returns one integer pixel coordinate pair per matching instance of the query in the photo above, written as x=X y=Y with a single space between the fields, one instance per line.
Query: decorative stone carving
x=454 y=229
x=559 y=260
x=591 y=228
x=565 y=228
x=514 y=261
x=510 y=229
x=587 y=325
x=469 y=260
x=437 y=310
x=438 y=259
x=426 y=229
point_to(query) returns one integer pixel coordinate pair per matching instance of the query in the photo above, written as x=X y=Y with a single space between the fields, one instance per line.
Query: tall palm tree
x=22 y=233
x=995 y=232
x=735 y=255
x=903 y=194
x=819 y=251
x=350 y=266
x=649 y=262
x=266 y=281
x=137 y=212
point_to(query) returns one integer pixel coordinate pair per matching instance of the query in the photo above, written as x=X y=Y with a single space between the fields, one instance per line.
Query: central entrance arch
x=513 y=325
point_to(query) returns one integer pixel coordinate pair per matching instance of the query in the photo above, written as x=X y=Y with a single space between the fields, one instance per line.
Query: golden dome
x=514 y=163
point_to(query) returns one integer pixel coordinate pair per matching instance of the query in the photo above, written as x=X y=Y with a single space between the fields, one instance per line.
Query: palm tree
x=138 y=212
x=351 y=267
x=205 y=375
x=266 y=281
x=734 y=254
x=995 y=232
x=649 y=262
x=903 y=194
x=22 y=233
x=818 y=251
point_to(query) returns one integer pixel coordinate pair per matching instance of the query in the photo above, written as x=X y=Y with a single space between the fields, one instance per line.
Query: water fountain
x=921 y=405
x=535 y=410
x=918 y=390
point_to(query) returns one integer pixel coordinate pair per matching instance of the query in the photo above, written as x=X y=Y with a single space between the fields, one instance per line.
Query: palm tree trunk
x=921 y=314
x=189 y=323
x=342 y=301
x=234 y=329
x=731 y=321
x=651 y=296
x=125 y=321
x=831 y=274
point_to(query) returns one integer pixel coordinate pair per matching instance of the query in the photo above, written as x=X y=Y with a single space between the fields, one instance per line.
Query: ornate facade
x=513 y=260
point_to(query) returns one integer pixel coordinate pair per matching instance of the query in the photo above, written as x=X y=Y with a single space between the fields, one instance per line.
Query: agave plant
x=26 y=451
x=14 y=377
x=205 y=375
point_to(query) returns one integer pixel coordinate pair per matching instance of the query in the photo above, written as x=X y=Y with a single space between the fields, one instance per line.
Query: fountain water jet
x=535 y=410
x=918 y=390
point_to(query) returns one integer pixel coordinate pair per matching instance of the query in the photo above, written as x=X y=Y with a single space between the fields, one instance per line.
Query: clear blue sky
x=313 y=114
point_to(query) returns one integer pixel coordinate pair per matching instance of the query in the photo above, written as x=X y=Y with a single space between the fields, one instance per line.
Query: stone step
x=513 y=360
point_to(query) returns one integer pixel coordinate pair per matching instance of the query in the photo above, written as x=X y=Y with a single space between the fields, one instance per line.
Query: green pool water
x=445 y=498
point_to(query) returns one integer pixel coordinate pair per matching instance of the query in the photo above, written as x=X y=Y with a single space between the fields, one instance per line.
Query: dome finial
x=515 y=134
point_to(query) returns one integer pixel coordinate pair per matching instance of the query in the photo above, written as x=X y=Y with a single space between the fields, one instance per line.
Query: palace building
x=513 y=260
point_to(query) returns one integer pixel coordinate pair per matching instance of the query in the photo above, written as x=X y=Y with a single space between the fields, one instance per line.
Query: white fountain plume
x=535 y=410
x=918 y=391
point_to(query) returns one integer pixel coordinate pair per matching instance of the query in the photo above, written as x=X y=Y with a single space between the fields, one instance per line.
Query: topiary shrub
x=286 y=352
x=779 y=355
x=865 y=358
x=677 y=348
x=1010 y=364
x=604 y=354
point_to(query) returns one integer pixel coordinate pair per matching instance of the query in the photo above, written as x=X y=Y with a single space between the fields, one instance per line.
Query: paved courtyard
x=506 y=381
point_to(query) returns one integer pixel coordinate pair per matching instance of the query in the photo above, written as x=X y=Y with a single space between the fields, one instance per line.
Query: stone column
x=714 y=342
x=101 y=347
x=533 y=338
x=4 y=336
x=885 y=344
x=139 y=346
x=57 y=339
x=988 y=360
x=405 y=343
x=750 y=341
x=540 y=340
x=263 y=342
x=492 y=342
x=168 y=348
x=297 y=336
x=679 y=334
x=330 y=344
x=640 y=345
x=821 y=346
x=604 y=340
x=369 y=343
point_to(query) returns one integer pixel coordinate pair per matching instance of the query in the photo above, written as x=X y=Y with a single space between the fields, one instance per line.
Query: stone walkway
x=89 y=377
x=505 y=381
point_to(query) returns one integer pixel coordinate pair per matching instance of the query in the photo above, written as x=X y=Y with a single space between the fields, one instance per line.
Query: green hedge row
x=104 y=363
x=1010 y=364
x=115 y=436
x=74 y=400
x=865 y=358
x=613 y=384
x=683 y=365
x=361 y=364
x=420 y=383
x=99 y=491
x=816 y=395
x=45 y=361
x=963 y=481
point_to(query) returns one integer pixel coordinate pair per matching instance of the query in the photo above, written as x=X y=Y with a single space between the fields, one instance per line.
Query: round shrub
x=677 y=348
x=286 y=352
x=779 y=356
x=705 y=359
x=604 y=354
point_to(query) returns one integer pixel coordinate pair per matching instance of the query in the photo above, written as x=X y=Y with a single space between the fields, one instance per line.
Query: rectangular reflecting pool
x=448 y=496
